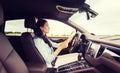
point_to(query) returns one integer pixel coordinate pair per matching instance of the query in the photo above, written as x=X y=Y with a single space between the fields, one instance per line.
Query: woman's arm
x=54 y=44
x=64 y=44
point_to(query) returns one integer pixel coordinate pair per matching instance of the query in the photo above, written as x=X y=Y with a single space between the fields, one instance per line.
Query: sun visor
x=1 y=15
x=68 y=7
x=70 y=3
x=30 y=22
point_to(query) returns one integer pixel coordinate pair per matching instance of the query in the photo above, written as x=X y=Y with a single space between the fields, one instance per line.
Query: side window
x=59 y=29
x=15 y=27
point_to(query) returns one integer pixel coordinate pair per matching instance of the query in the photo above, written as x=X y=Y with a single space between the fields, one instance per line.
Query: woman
x=45 y=45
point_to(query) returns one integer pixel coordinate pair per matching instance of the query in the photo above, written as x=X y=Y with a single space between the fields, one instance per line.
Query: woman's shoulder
x=37 y=38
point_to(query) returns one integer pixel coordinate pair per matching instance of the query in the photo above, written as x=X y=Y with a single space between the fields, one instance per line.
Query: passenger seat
x=10 y=61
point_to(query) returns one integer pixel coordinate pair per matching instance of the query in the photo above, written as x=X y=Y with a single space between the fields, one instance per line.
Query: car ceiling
x=18 y=9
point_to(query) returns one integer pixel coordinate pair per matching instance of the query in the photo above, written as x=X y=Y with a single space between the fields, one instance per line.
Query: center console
x=74 y=66
x=95 y=50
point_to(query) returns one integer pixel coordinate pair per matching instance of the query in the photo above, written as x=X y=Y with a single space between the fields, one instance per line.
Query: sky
x=107 y=21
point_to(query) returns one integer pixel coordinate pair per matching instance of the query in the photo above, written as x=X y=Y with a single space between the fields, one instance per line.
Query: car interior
x=18 y=54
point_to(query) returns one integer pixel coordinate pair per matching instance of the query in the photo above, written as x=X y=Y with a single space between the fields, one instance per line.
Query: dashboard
x=95 y=61
x=104 y=57
x=96 y=50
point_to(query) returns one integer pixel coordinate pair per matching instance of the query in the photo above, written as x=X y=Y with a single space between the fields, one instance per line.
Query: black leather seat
x=32 y=54
x=10 y=61
x=35 y=60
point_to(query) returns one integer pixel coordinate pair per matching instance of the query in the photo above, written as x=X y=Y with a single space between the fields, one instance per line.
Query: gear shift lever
x=79 y=56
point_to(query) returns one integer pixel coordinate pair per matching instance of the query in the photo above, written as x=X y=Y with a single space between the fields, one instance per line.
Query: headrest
x=1 y=15
x=30 y=22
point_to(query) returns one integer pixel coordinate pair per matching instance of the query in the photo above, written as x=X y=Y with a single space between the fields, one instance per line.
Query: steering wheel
x=74 y=42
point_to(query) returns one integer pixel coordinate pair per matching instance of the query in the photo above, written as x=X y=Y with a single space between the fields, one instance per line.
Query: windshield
x=106 y=23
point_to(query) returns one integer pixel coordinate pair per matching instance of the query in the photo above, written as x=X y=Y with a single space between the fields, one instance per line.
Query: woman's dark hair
x=38 y=32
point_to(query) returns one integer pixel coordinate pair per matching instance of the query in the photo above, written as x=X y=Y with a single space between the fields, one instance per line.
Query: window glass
x=59 y=29
x=106 y=23
x=15 y=27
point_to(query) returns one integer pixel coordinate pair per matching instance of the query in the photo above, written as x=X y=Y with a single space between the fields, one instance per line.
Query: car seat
x=10 y=61
x=33 y=56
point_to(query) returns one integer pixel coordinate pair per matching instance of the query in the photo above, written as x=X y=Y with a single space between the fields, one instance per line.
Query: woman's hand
x=71 y=36
x=64 y=44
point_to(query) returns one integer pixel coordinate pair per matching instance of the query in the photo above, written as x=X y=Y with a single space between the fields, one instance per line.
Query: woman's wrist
x=57 y=51
x=59 y=48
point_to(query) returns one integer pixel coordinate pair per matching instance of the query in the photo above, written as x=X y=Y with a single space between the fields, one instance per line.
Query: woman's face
x=45 y=29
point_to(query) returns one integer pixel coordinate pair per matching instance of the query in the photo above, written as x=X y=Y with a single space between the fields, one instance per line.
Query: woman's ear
x=41 y=28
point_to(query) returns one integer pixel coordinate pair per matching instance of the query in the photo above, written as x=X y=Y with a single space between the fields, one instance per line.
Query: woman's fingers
x=71 y=36
x=64 y=44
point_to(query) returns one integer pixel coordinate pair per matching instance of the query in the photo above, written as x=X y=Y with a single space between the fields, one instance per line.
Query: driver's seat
x=35 y=61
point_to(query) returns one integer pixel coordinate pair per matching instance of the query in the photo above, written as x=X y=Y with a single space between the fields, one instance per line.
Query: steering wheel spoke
x=74 y=42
